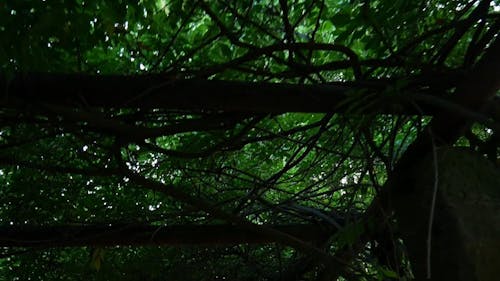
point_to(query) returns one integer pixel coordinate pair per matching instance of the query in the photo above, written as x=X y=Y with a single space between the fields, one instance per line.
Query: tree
x=281 y=140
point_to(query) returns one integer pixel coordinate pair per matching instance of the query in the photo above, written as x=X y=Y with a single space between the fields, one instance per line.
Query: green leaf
x=96 y=258
x=343 y=38
x=328 y=26
x=385 y=273
x=341 y=19
x=226 y=51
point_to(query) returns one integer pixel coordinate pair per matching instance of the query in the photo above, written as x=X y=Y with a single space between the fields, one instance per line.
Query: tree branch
x=156 y=91
x=144 y=235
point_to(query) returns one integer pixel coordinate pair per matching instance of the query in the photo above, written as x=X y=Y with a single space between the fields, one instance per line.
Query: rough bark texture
x=480 y=86
x=466 y=227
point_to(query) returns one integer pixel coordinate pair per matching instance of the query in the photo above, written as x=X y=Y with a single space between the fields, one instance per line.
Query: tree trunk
x=465 y=240
x=405 y=194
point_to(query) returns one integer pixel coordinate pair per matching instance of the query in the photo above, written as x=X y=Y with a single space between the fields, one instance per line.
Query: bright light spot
x=126 y=25
x=343 y=180
x=85 y=147
x=142 y=66
x=496 y=7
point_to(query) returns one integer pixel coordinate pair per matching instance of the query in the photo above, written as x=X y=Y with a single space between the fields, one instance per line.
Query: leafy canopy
x=58 y=170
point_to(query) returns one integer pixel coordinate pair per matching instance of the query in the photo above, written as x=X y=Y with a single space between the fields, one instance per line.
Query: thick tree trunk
x=465 y=238
x=481 y=85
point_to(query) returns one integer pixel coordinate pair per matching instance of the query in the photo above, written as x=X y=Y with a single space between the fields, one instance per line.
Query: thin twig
x=433 y=204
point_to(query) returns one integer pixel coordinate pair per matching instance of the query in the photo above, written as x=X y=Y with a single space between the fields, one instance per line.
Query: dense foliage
x=102 y=166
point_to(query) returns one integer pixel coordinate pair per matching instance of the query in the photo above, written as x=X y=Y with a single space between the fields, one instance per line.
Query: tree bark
x=144 y=235
x=157 y=91
x=482 y=84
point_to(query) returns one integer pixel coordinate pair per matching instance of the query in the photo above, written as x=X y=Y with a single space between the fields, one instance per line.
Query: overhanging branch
x=144 y=235
x=157 y=91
